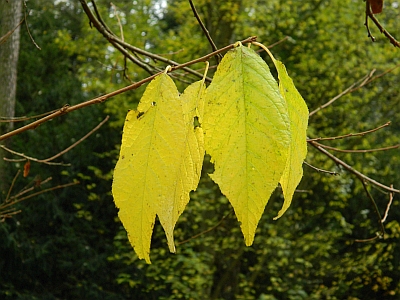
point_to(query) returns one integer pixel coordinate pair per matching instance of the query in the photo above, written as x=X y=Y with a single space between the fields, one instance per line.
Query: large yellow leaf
x=247 y=134
x=160 y=162
x=298 y=114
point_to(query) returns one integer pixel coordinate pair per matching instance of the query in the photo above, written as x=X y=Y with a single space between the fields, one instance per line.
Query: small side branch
x=351 y=169
x=48 y=160
x=321 y=170
x=381 y=234
x=350 y=134
x=206 y=32
x=369 y=14
x=67 y=109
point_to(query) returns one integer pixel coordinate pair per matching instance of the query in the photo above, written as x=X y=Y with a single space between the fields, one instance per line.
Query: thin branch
x=349 y=135
x=388 y=205
x=27 y=27
x=100 y=25
x=361 y=150
x=350 y=89
x=351 y=169
x=4 y=38
x=381 y=234
x=370 y=14
x=48 y=160
x=205 y=231
x=26 y=157
x=206 y=32
x=321 y=170
x=26 y=190
x=11 y=186
x=42 y=192
x=67 y=109
x=368 y=8
x=119 y=21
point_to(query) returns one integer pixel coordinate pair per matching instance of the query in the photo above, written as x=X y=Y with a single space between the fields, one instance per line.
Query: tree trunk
x=10 y=17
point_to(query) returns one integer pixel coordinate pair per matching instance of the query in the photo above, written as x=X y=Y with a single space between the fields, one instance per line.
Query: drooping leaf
x=247 y=134
x=298 y=115
x=159 y=164
x=186 y=169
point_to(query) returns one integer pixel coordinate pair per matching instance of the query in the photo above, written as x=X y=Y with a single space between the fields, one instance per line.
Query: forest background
x=68 y=243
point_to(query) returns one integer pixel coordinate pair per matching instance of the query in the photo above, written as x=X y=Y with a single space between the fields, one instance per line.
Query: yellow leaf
x=185 y=170
x=298 y=114
x=247 y=134
x=160 y=162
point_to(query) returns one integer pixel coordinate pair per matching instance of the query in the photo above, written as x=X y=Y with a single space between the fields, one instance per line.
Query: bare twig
x=321 y=170
x=28 y=189
x=119 y=20
x=4 y=38
x=206 y=32
x=351 y=169
x=359 y=151
x=205 y=231
x=350 y=134
x=100 y=25
x=48 y=160
x=67 y=109
x=27 y=27
x=370 y=14
x=36 y=194
x=350 y=89
x=388 y=205
x=368 y=8
x=12 y=185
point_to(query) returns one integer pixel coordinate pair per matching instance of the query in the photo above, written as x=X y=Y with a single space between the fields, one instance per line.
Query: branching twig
x=350 y=134
x=17 y=200
x=388 y=205
x=321 y=170
x=351 y=169
x=370 y=14
x=27 y=27
x=206 y=32
x=205 y=231
x=48 y=160
x=100 y=25
x=359 y=150
x=381 y=234
x=11 y=186
x=4 y=38
x=363 y=81
x=67 y=109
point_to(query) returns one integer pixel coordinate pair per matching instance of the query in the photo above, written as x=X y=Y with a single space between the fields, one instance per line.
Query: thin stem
x=361 y=150
x=382 y=228
x=206 y=32
x=320 y=170
x=67 y=109
x=388 y=206
x=352 y=170
x=12 y=185
x=205 y=231
x=350 y=134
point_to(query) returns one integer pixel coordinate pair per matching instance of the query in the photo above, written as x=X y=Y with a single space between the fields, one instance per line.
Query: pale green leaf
x=298 y=114
x=247 y=134
x=159 y=164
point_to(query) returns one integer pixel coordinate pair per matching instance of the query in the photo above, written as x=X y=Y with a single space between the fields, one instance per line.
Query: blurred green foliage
x=69 y=243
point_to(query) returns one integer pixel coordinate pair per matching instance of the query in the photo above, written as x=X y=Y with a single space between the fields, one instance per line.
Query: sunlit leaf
x=160 y=162
x=298 y=115
x=247 y=134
